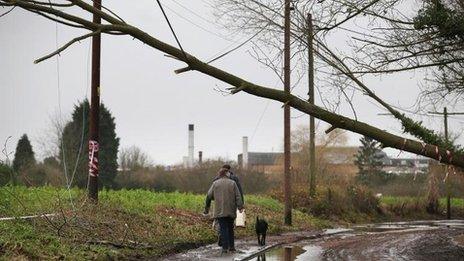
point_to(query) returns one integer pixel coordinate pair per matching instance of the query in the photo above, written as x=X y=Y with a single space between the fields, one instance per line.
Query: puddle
x=292 y=253
x=311 y=249
x=416 y=240
x=333 y=231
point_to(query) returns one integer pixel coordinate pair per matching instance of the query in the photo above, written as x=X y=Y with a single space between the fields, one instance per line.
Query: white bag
x=241 y=219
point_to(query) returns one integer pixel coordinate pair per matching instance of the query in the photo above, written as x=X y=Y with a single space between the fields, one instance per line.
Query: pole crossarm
x=239 y=84
x=448 y=113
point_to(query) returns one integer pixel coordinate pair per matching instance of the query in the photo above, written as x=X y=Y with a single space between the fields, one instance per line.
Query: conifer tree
x=75 y=143
x=24 y=155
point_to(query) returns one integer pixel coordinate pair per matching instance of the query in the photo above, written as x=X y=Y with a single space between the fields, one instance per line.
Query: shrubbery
x=333 y=201
x=194 y=180
x=6 y=173
x=42 y=174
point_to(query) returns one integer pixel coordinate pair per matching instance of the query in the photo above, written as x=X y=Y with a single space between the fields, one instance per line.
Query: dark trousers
x=226 y=231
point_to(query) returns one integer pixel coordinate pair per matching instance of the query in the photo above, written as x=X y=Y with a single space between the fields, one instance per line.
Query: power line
x=241 y=44
x=193 y=12
x=172 y=30
x=219 y=56
x=7 y=12
x=448 y=113
x=259 y=121
x=197 y=25
x=238 y=46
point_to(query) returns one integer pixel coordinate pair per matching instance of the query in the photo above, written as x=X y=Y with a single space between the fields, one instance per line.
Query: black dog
x=261 y=229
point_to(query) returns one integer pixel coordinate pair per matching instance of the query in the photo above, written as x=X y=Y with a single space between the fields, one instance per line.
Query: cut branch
x=388 y=139
x=68 y=44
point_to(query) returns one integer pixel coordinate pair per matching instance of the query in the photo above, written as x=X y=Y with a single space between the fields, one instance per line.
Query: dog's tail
x=257 y=219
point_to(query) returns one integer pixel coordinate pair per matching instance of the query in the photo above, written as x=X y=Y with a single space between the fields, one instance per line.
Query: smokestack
x=200 y=157
x=190 y=145
x=185 y=162
x=245 y=152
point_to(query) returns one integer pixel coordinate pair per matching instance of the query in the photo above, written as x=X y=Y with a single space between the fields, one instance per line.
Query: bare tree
x=339 y=71
x=115 y=25
x=133 y=158
x=49 y=140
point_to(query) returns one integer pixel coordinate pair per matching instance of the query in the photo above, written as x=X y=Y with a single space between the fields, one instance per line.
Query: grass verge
x=124 y=224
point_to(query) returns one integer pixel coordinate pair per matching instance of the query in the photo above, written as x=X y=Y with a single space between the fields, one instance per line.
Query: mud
x=245 y=247
x=420 y=240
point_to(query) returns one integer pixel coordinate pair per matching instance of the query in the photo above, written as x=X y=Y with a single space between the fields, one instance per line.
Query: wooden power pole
x=448 y=181
x=448 y=189
x=312 y=131
x=94 y=110
x=287 y=174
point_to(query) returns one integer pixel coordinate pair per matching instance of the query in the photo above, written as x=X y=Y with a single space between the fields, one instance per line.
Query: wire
x=7 y=12
x=83 y=119
x=191 y=11
x=61 y=119
x=262 y=116
x=238 y=46
x=172 y=30
x=259 y=121
x=219 y=56
x=199 y=26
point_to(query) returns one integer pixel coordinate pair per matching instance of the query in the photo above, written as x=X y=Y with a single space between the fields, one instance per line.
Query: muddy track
x=420 y=240
x=431 y=244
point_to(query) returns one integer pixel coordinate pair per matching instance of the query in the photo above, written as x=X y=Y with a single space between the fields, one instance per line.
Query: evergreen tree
x=24 y=155
x=368 y=160
x=76 y=139
x=6 y=174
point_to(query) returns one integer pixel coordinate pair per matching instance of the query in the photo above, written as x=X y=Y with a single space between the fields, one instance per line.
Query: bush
x=5 y=174
x=194 y=180
x=33 y=176
x=42 y=174
x=333 y=201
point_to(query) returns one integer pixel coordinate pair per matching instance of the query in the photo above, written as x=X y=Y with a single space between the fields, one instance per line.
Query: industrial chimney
x=245 y=152
x=190 y=145
x=200 y=157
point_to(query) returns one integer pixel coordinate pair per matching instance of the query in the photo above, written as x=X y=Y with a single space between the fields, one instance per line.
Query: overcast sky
x=151 y=104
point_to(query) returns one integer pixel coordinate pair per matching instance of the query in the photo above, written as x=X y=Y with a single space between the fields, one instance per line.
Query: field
x=415 y=208
x=455 y=202
x=124 y=224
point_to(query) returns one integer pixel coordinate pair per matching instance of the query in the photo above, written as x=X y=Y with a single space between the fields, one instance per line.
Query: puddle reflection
x=291 y=253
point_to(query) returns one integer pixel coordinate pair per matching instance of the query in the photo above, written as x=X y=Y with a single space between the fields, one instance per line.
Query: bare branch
x=68 y=44
x=7 y=12
x=388 y=139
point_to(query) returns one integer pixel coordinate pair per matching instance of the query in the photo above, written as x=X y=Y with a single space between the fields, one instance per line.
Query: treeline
x=194 y=180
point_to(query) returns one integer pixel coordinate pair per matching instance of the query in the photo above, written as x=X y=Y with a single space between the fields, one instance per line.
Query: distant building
x=407 y=165
x=336 y=160
x=339 y=155
x=262 y=161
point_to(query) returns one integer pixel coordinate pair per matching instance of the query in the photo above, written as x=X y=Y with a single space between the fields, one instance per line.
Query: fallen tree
x=117 y=26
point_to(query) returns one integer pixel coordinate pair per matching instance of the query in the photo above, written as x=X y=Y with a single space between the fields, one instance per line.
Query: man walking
x=227 y=199
x=233 y=177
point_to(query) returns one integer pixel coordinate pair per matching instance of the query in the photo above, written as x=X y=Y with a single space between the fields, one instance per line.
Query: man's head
x=223 y=172
x=226 y=166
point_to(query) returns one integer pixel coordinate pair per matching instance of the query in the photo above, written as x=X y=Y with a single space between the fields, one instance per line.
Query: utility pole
x=287 y=174
x=95 y=110
x=448 y=181
x=448 y=189
x=312 y=132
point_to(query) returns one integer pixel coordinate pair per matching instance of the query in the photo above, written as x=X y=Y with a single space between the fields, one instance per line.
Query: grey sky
x=151 y=104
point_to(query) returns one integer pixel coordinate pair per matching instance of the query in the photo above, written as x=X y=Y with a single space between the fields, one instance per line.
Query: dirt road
x=438 y=240
x=421 y=244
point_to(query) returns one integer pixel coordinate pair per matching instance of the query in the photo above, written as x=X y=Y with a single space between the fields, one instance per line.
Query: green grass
x=161 y=222
x=392 y=200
